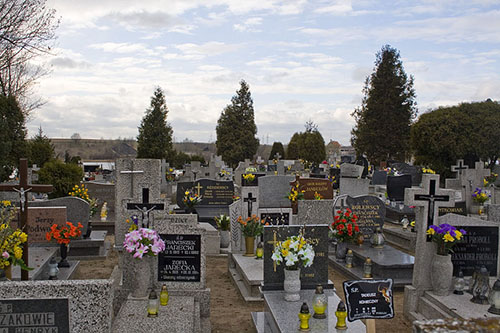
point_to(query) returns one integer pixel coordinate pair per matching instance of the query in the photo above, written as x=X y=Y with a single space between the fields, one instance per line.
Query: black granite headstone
x=459 y=209
x=379 y=177
x=479 y=247
x=396 y=186
x=276 y=218
x=311 y=276
x=370 y=211
x=369 y=299
x=213 y=192
x=34 y=315
x=407 y=169
x=181 y=260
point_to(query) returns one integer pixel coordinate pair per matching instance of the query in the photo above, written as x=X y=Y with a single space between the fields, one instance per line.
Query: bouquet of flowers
x=317 y=196
x=445 y=236
x=295 y=193
x=82 y=193
x=249 y=177
x=170 y=175
x=490 y=180
x=223 y=222
x=428 y=170
x=143 y=242
x=344 y=227
x=11 y=240
x=191 y=199
x=479 y=196
x=64 y=234
x=252 y=226
x=295 y=251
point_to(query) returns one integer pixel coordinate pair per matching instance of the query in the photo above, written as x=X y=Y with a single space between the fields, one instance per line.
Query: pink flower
x=133 y=236
x=158 y=246
x=5 y=255
x=141 y=251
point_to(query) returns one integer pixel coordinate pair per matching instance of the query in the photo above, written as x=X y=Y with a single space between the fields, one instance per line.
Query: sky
x=303 y=59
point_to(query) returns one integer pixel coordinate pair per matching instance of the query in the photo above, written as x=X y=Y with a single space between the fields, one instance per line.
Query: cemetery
x=396 y=231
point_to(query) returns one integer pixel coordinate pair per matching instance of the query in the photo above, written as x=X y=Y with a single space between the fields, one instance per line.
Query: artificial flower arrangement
x=295 y=251
x=236 y=198
x=445 y=236
x=170 y=175
x=480 y=196
x=317 y=196
x=11 y=240
x=391 y=171
x=344 y=227
x=249 y=177
x=251 y=226
x=143 y=242
x=191 y=199
x=222 y=222
x=295 y=193
x=428 y=170
x=490 y=180
x=82 y=193
x=65 y=233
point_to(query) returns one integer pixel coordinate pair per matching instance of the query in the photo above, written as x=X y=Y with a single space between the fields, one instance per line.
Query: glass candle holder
x=153 y=304
x=367 y=269
x=320 y=302
x=349 y=259
x=494 y=298
x=304 y=316
x=341 y=315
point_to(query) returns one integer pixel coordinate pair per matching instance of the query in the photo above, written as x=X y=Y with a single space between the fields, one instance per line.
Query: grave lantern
x=378 y=239
x=405 y=222
x=367 y=268
x=304 y=316
x=482 y=287
x=459 y=284
x=164 y=295
x=153 y=304
x=348 y=259
x=259 y=252
x=53 y=269
x=320 y=302
x=341 y=315
x=494 y=298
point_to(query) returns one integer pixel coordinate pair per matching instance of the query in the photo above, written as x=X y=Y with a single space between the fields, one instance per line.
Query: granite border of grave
x=90 y=301
x=315 y=212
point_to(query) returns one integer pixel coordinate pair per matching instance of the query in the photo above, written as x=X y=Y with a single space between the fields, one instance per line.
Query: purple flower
x=463 y=232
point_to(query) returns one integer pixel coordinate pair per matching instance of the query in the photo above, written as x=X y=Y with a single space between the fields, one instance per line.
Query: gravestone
x=370 y=211
x=406 y=169
x=459 y=168
x=364 y=163
x=250 y=196
x=396 y=186
x=145 y=208
x=213 y=192
x=354 y=186
x=277 y=216
x=314 y=212
x=235 y=211
x=273 y=191
x=311 y=276
x=310 y=186
x=77 y=209
x=103 y=192
x=379 y=177
x=460 y=208
x=40 y=220
x=472 y=179
x=349 y=170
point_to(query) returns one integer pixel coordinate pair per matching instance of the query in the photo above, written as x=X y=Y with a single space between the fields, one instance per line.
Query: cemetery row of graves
x=282 y=226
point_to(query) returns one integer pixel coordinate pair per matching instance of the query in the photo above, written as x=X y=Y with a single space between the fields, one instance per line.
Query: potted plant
x=11 y=241
x=344 y=229
x=144 y=245
x=224 y=225
x=446 y=237
x=296 y=252
x=190 y=200
x=480 y=196
x=251 y=227
x=63 y=235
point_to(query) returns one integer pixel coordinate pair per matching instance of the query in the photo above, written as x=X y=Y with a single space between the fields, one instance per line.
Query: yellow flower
x=284 y=252
x=431 y=231
x=448 y=238
x=186 y=193
x=18 y=252
x=412 y=223
x=458 y=234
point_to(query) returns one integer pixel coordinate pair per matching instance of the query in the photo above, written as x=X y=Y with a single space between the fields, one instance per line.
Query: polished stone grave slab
x=395 y=235
x=94 y=247
x=247 y=274
x=282 y=316
x=387 y=262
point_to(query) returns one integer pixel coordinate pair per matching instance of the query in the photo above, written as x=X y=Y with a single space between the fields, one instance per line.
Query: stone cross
x=145 y=207
x=459 y=167
x=23 y=188
x=427 y=201
x=250 y=200
x=277 y=156
x=131 y=172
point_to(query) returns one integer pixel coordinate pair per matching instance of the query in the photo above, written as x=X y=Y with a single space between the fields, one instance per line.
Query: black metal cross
x=459 y=167
x=145 y=207
x=23 y=188
x=431 y=198
x=250 y=201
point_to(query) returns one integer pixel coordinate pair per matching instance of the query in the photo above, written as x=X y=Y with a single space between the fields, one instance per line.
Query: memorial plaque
x=34 y=315
x=479 y=247
x=367 y=299
x=40 y=219
x=396 y=187
x=312 y=185
x=272 y=167
x=181 y=260
x=213 y=192
x=276 y=218
x=311 y=276
x=370 y=211
x=459 y=208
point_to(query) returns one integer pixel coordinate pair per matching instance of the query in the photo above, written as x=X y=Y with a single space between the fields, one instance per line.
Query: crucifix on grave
x=427 y=201
x=274 y=242
x=131 y=172
x=198 y=187
x=194 y=172
x=250 y=200
x=145 y=207
x=23 y=188
x=471 y=179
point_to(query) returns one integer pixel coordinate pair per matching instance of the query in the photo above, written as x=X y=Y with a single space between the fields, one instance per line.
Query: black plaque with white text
x=181 y=260
x=367 y=299
x=34 y=315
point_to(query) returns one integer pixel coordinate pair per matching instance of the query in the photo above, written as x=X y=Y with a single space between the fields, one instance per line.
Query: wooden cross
x=145 y=207
x=131 y=172
x=274 y=242
x=431 y=197
x=23 y=188
x=198 y=187
x=459 y=167
x=250 y=200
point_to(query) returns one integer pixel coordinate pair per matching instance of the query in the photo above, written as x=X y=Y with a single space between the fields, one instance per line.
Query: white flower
x=277 y=257
x=294 y=246
x=291 y=259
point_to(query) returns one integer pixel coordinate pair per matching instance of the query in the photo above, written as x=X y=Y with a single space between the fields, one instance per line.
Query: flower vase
x=63 y=249
x=341 y=251
x=8 y=272
x=441 y=274
x=295 y=207
x=224 y=238
x=142 y=275
x=480 y=210
x=249 y=246
x=291 y=285
x=103 y=218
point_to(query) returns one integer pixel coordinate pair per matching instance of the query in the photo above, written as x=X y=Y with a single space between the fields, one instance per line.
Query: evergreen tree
x=292 y=150
x=63 y=176
x=277 y=148
x=382 y=130
x=41 y=149
x=236 y=128
x=12 y=136
x=308 y=145
x=155 y=134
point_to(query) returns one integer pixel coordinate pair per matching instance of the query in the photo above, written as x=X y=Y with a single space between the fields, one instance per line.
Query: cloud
x=338 y=7
x=249 y=25
x=122 y=48
x=207 y=49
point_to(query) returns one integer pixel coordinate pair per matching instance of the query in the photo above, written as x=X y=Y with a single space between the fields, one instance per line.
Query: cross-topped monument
x=145 y=207
x=277 y=156
x=250 y=200
x=23 y=188
x=459 y=167
x=427 y=201
x=131 y=172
